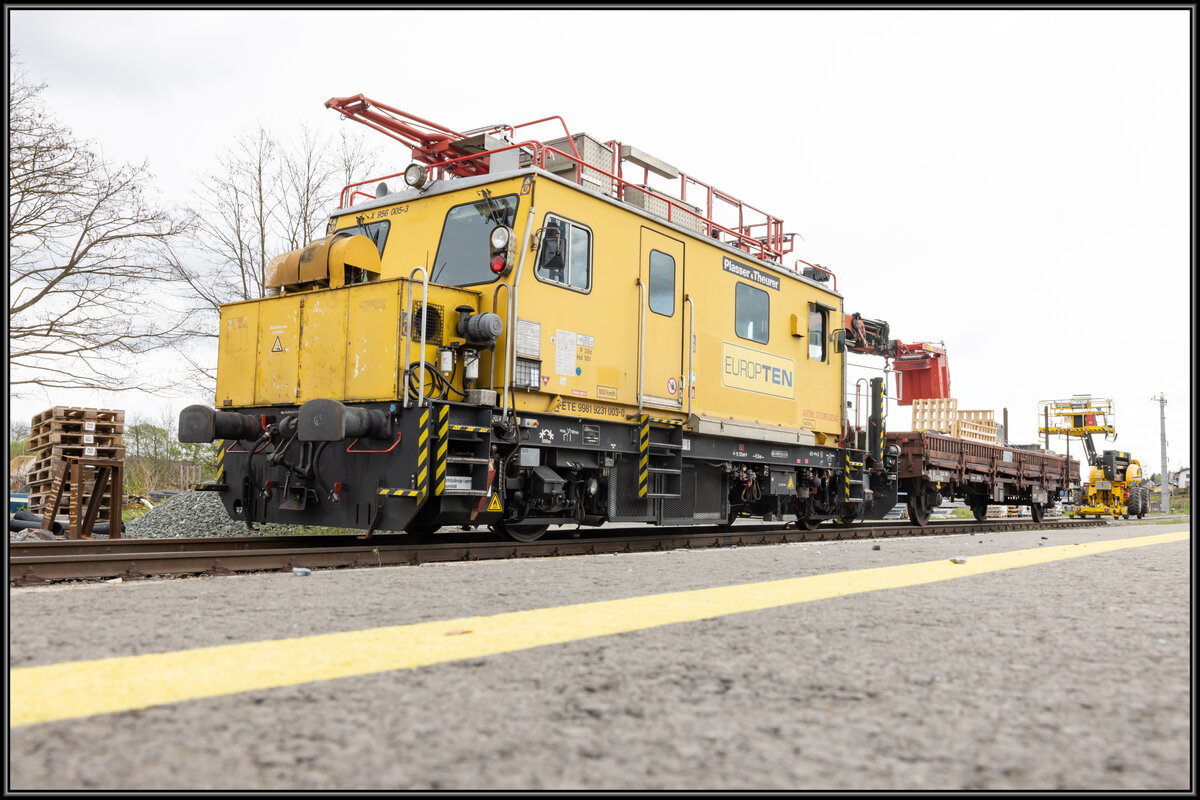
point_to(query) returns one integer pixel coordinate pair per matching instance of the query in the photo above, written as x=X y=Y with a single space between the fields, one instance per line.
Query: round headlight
x=415 y=175
x=500 y=237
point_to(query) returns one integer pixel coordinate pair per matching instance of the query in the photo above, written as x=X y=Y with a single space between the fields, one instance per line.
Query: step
x=465 y=492
x=466 y=460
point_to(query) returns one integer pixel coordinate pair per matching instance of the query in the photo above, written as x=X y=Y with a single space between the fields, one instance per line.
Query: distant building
x=1182 y=479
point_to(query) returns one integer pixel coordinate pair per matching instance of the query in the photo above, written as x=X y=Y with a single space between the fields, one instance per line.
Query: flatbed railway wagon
x=934 y=466
x=522 y=336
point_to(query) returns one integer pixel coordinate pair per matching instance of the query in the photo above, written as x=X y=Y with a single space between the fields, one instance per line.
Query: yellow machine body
x=616 y=342
x=1105 y=495
x=348 y=343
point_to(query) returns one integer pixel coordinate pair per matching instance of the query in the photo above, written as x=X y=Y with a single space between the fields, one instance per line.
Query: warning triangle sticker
x=495 y=504
x=277 y=347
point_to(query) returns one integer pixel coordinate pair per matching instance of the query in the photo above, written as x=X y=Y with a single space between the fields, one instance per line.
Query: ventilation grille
x=623 y=500
x=432 y=322
x=701 y=494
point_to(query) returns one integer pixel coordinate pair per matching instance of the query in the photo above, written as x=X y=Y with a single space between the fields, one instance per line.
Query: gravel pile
x=186 y=515
x=190 y=515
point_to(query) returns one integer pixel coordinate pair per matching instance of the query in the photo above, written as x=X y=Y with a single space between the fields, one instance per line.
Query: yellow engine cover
x=323 y=260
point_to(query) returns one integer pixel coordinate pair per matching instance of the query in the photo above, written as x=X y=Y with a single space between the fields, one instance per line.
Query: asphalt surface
x=1074 y=674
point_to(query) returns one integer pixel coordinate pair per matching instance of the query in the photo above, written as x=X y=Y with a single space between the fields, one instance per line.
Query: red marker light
x=497 y=264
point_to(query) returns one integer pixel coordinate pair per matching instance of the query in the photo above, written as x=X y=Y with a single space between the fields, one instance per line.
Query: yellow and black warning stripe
x=643 y=454
x=423 y=454
x=443 y=441
x=422 y=487
x=400 y=492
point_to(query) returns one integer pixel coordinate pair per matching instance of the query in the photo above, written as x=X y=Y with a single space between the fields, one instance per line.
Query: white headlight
x=500 y=237
x=415 y=175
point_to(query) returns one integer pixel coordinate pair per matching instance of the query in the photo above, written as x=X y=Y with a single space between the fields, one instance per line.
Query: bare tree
x=86 y=249
x=267 y=197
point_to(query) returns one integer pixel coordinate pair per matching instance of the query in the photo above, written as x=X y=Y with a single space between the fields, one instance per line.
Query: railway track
x=40 y=563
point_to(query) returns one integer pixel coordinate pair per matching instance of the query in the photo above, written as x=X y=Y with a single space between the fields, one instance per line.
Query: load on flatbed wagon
x=529 y=334
x=933 y=466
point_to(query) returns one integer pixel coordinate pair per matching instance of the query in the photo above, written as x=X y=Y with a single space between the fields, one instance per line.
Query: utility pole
x=1166 y=476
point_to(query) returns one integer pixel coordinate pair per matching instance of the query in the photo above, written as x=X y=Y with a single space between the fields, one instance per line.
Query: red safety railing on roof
x=439 y=148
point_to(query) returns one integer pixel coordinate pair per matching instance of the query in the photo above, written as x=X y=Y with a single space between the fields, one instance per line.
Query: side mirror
x=551 y=259
x=839 y=340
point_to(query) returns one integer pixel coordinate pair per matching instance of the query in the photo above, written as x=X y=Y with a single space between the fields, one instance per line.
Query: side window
x=817 y=317
x=662 y=284
x=565 y=254
x=751 y=313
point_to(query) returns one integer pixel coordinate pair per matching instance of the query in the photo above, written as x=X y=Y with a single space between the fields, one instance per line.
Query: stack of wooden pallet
x=61 y=432
x=942 y=414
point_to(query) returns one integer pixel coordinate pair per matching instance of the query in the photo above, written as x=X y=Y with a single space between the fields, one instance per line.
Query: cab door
x=661 y=345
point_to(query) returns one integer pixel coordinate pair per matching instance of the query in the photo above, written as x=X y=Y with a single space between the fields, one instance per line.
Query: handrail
x=342 y=196
x=821 y=269
x=741 y=236
x=509 y=351
x=424 y=328
x=507 y=333
x=687 y=298
x=641 y=338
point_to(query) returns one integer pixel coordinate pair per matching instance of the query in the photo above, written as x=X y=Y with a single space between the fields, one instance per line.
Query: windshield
x=464 y=253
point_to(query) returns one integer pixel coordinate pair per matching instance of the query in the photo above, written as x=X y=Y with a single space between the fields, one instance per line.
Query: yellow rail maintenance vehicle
x=526 y=335
x=1114 y=485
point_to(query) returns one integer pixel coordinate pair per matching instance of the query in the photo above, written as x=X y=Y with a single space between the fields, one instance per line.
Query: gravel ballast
x=187 y=515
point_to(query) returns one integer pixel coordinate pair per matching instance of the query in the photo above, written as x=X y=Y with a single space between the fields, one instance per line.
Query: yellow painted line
x=84 y=688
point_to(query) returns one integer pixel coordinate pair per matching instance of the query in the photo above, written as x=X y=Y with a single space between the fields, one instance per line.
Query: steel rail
x=36 y=563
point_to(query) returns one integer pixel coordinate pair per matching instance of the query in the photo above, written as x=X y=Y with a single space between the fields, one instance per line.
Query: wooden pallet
x=41 y=441
x=943 y=415
x=85 y=451
x=72 y=413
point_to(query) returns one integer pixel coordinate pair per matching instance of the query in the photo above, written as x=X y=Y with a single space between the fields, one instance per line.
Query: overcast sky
x=1013 y=183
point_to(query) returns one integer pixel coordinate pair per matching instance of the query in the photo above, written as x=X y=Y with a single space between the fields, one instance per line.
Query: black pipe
x=15 y=525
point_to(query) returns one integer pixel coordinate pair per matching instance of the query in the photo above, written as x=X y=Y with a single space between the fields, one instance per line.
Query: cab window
x=817 y=324
x=464 y=253
x=565 y=254
x=377 y=232
x=751 y=313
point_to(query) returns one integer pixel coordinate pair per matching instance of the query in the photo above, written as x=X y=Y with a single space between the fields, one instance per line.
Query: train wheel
x=1037 y=512
x=807 y=524
x=979 y=512
x=727 y=524
x=521 y=533
x=918 y=512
